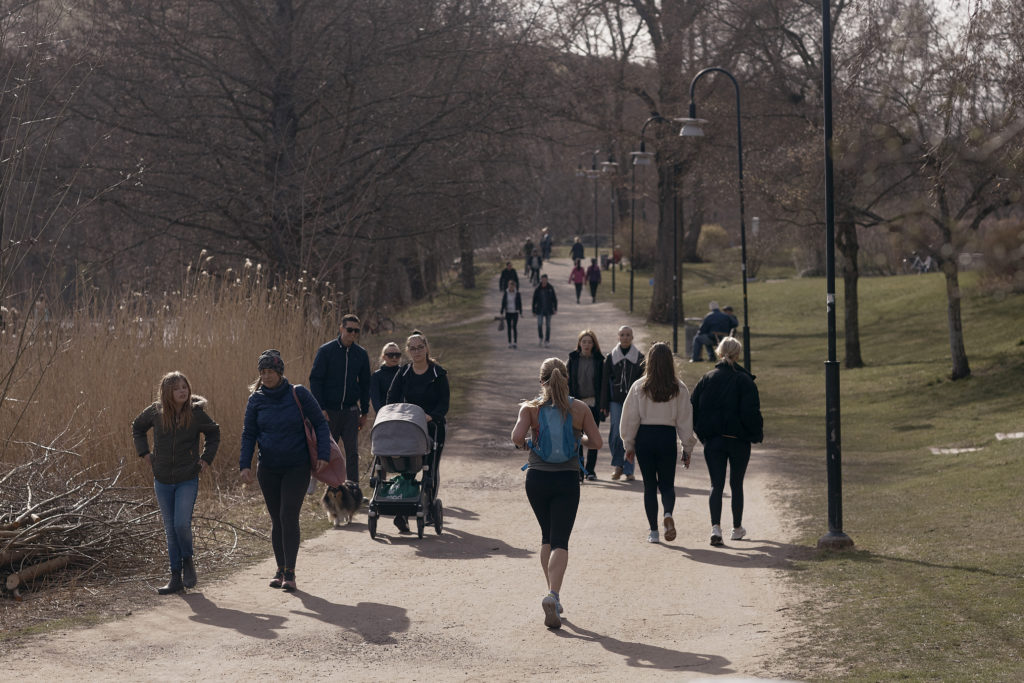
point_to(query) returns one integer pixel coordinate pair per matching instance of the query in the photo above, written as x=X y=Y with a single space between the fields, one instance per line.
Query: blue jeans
x=544 y=326
x=176 y=504
x=615 y=442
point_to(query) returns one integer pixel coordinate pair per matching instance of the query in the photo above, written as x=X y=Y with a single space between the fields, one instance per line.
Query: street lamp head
x=692 y=128
x=608 y=166
x=580 y=172
x=642 y=158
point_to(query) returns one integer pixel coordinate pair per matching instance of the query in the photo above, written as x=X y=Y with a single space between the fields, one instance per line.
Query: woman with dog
x=380 y=381
x=655 y=414
x=423 y=382
x=177 y=419
x=586 y=370
x=553 y=489
x=274 y=420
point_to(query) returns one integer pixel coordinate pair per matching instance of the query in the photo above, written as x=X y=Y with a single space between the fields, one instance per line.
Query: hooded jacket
x=273 y=420
x=621 y=369
x=726 y=403
x=175 y=455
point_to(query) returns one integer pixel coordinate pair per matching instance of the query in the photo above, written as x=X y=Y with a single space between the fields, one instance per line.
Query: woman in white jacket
x=655 y=414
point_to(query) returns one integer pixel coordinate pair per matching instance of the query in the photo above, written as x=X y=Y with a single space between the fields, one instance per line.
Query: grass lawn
x=933 y=588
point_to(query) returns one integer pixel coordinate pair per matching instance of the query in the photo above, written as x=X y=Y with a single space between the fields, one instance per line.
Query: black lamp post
x=609 y=167
x=835 y=539
x=641 y=158
x=692 y=128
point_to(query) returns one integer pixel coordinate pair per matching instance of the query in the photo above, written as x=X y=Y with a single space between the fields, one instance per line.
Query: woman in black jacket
x=727 y=419
x=177 y=419
x=424 y=383
x=380 y=381
x=586 y=366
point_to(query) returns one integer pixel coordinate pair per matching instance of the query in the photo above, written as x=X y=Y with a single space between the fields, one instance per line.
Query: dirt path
x=466 y=605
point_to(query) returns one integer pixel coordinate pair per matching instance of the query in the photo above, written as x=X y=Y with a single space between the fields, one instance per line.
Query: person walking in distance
x=655 y=415
x=622 y=367
x=274 y=420
x=340 y=382
x=576 y=253
x=509 y=273
x=545 y=244
x=511 y=308
x=577 y=277
x=727 y=419
x=586 y=368
x=545 y=305
x=553 y=488
x=177 y=418
x=593 y=279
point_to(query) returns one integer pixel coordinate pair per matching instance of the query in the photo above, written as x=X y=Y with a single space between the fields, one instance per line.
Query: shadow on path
x=746 y=554
x=251 y=624
x=646 y=656
x=373 y=621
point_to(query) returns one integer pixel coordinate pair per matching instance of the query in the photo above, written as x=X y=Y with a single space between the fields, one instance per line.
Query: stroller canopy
x=400 y=430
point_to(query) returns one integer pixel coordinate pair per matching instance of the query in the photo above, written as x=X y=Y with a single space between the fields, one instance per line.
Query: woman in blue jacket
x=273 y=420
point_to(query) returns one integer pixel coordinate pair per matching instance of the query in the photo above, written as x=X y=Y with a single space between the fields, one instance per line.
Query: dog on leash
x=341 y=502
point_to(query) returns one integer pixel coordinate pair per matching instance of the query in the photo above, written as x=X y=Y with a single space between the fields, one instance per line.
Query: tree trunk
x=695 y=221
x=849 y=247
x=958 y=354
x=664 y=268
x=467 y=273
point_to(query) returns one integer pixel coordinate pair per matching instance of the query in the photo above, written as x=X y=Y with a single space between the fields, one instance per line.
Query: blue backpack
x=556 y=442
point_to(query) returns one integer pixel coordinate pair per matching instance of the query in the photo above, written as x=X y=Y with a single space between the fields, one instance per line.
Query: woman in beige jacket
x=655 y=414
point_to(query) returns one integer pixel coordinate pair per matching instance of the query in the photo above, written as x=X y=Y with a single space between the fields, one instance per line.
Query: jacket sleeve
x=695 y=405
x=377 y=391
x=211 y=434
x=504 y=299
x=684 y=419
x=629 y=424
x=311 y=411
x=535 y=307
x=750 y=413
x=250 y=433
x=140 y=426
x=318 y=375
x=443 y=399
x=554 y=301
x=606 y=373
x=519 y=303
x=364 y=386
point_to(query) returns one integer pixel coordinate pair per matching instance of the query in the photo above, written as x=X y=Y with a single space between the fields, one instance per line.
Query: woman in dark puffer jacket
x=273 y=419
x=177 y=418
x=727 y=419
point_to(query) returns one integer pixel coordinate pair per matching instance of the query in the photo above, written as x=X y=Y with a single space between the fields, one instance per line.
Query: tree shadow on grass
x=859 y=555
x=251 y=624
x=374 y=622
x=645 y=656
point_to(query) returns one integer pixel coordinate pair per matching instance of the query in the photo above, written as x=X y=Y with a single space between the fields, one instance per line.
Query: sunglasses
x=393 y=354
x=352 y=330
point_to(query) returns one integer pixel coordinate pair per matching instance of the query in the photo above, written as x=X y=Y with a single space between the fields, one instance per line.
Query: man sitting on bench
x=716 y=326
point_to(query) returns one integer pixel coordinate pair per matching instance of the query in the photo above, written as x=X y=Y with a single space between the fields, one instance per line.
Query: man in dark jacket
x=622 y=367
x=340 y=382
x=508 y=274
x=545 y=305
x=715 y=327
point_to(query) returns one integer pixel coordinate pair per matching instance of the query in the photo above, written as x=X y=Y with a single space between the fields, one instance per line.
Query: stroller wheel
x=371 y=522
x=438 y=516
x=420 y=524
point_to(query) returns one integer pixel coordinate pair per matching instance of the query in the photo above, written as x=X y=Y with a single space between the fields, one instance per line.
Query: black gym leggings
x=656 y=455
x=592 y=452
x=512 y=323
x=554 y=497
x=284 y=490
x=719 y=451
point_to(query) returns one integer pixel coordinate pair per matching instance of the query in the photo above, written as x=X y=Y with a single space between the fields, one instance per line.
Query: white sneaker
x=540 y=342
x=653 y=537
x=738 y=533
x=550 y=607
x=716 y=535
x=547 y=344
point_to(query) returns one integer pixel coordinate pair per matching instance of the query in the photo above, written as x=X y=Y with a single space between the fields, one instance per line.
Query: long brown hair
x=593 y=338
x=659 y=379
x=554 y=381
x=168 y=414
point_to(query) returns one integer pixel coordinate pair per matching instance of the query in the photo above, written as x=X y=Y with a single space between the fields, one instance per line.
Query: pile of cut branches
x=60 y=518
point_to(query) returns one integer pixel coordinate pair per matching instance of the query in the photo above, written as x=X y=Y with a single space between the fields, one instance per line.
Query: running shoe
x=653 y=537
x=738 y=533
x=670 y=529
x=550 y=606
x=716 y=535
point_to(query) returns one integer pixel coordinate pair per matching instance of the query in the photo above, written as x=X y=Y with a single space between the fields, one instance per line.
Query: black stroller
x=400 y=444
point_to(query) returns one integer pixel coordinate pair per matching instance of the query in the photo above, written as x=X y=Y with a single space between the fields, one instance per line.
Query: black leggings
x=593 y=289
x=579 y=290
x=555 y=498
x=656 y=456
x=511 y=323
x=592 y=452
x=718 y=452
x=284 y=490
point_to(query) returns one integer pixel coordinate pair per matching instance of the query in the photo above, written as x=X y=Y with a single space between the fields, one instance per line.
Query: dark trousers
x=656 y=455
x=284 y=490
x=719 y=452
x=555 y=498
x=511 y=324
x=345 y=430
x=593 y=290
x=592 y=452
x=544 y=326
x=579 y=290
